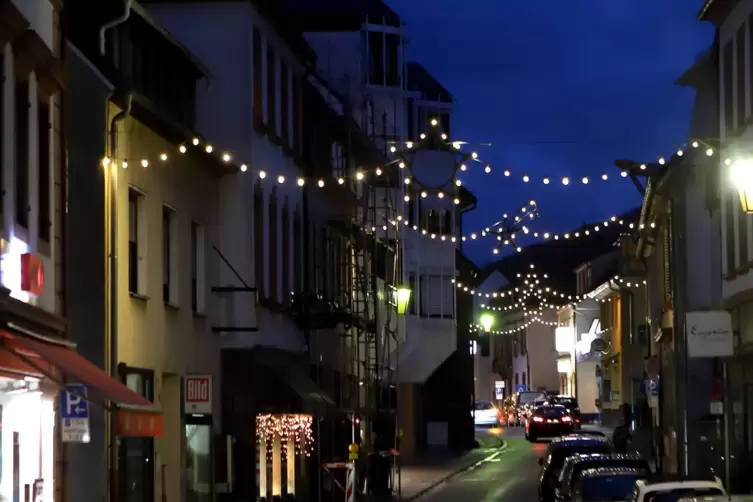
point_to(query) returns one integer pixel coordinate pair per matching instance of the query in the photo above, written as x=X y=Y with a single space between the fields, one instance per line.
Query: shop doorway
x=136 y=454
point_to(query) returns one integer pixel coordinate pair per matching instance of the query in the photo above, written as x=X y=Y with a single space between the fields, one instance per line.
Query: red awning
x=77 y=368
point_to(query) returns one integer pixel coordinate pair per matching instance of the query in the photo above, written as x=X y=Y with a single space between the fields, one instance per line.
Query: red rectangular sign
x=197 y=394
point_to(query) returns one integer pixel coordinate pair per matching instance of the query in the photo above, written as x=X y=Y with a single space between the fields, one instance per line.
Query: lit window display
x=26 y=441
x=281 y=438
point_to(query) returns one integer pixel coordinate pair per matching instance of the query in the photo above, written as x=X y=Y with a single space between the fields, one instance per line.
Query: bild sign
x=197 y=394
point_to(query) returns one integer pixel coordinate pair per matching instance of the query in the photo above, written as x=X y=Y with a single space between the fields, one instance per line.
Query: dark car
x=576 y=464
x=591 y=432
x=607 y=483
x=556 y=453
x=549 y=421
x=571 y=404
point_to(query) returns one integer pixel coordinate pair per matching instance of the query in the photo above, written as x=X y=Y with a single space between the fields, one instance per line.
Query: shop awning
x=293 y=370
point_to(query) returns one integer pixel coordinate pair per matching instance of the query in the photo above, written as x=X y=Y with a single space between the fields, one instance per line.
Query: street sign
x=520 y=388
x=74 y=414
x=197 y=394
x=499 y=389
x=650 y=387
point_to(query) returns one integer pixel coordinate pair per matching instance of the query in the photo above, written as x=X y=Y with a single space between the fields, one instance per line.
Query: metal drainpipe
x=113 y=258
x=112 y=24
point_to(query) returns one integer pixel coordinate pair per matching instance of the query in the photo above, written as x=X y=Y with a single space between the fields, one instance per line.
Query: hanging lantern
x=403 y=299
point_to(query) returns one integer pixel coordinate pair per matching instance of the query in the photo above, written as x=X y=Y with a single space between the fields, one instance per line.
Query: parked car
x=607 y=483
x=556 y=453
x=591 y=432
x=549 y=421
x=485 y=414
x=576 y=464
x=665 y=488
x=719 y=498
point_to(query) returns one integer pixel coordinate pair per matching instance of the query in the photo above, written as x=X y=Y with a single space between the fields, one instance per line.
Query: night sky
x=559 y=88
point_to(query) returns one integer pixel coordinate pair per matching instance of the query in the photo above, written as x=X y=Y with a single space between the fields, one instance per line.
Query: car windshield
x=529 y=397
x=484 y=405
x=550 y=411
x=612 y=487
x=560 y=453
x=568 y=402
x=675 y=495
x=573 y=469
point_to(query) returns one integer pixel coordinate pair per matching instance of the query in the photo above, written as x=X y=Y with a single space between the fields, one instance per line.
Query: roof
x=338 y=15
x=420 y=80
x=275 y=16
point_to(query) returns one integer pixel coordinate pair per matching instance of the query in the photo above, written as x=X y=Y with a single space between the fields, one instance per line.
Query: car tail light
x=538 y=419
x=567 y=419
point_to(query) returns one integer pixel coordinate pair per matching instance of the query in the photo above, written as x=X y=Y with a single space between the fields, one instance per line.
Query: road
x=511 y=476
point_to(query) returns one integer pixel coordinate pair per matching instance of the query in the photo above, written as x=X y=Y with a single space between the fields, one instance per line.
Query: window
x=297 y=253
x=732 y=203
x=287 y=262
x=740 y=66
x=437 y=297
x=412 y=301
x=271 y=90
x=259 y=268
x=136 y=242
x=274 y=276
x=523 y=378
x=43 y=125
x=257 y=74
x=198 y=269
x=22 y=152
x=169 y=256
x=284 y=104
x=297 y=115
x=729 y=86
x=517 y=382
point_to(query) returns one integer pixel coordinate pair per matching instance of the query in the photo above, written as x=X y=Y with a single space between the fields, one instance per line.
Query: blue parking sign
x=73 y=403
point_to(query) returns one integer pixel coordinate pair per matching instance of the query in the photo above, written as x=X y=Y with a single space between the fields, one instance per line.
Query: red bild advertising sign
x=197 y=394
x=32 y=274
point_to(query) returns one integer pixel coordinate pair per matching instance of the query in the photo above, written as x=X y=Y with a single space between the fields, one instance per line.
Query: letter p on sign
x=197 y=394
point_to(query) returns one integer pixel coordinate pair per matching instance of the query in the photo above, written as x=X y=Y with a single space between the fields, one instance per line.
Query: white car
x=485 y=414
x=668 y=489
x=719 y=498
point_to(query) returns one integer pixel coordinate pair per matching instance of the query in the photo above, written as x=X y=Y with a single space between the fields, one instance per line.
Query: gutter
x=112 y=24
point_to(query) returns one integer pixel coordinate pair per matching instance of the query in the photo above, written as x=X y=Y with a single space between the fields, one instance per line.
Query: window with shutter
x=448 y=298
x=259 y=240
x=284 y=104
x=257 y=75
x=742 y=237
x=286 y=255
x=729 y=86
x=297 y=253
x=271 y=90
x=22 y=151
x=274 y=258
x=740 y=67
x=43 y=126
x=413 y=283
x=729 y=225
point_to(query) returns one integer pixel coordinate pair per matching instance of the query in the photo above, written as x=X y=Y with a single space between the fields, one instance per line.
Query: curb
x=462 y=470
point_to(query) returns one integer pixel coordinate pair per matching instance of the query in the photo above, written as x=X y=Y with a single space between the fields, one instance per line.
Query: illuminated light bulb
x=604 y=176
x=546 y=235
x=378 y=172
x=679 y=152
x=643 y=166
x=456 y=201
x=488 y=169
x=423 y=194
x=422 y=136
x=393 y=149
x=661 y=161
x=443 y=136
x=434 y=122
x=281 y=179
x=585 y=180
x=728 y=162
x=495 y=251
x=406 y=181
x=300 y=182
x=320 y=183
x=709 y=152
x=694 y=144
x=546 y=180
x=125 y=164
x=163 y=157
x=518 y=249
x=340 y=181
x=473 y=236
x=406 y=198
x=526 y=179
x=453 y=239
x=506 y=172
x=106 y=161
x=209 y=148
x=401 y=165
x=458 y=182
x=182 y=149
x=409 y=144
x=565 y=180
x=226 y=157
x=463 y=167
x=623 y=174
x=440 y=195
x=195 y=141
x=244 y=168
x=144 y=163
x=474 y=155
x=359 y=175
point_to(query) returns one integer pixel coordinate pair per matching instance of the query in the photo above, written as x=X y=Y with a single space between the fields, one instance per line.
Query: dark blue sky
x=559 y=88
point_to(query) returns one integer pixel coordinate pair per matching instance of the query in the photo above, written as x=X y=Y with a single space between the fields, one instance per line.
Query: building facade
x=145 y=187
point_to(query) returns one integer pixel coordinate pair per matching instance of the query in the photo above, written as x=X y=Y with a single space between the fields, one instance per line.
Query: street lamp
x=741 y=173
x=487 y=321
x=403 y=299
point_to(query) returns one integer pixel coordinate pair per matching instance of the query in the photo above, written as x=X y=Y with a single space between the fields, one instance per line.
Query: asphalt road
x=511 y=476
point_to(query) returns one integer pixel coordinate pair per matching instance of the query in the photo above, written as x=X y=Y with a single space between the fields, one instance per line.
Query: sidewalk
x=419 y=475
